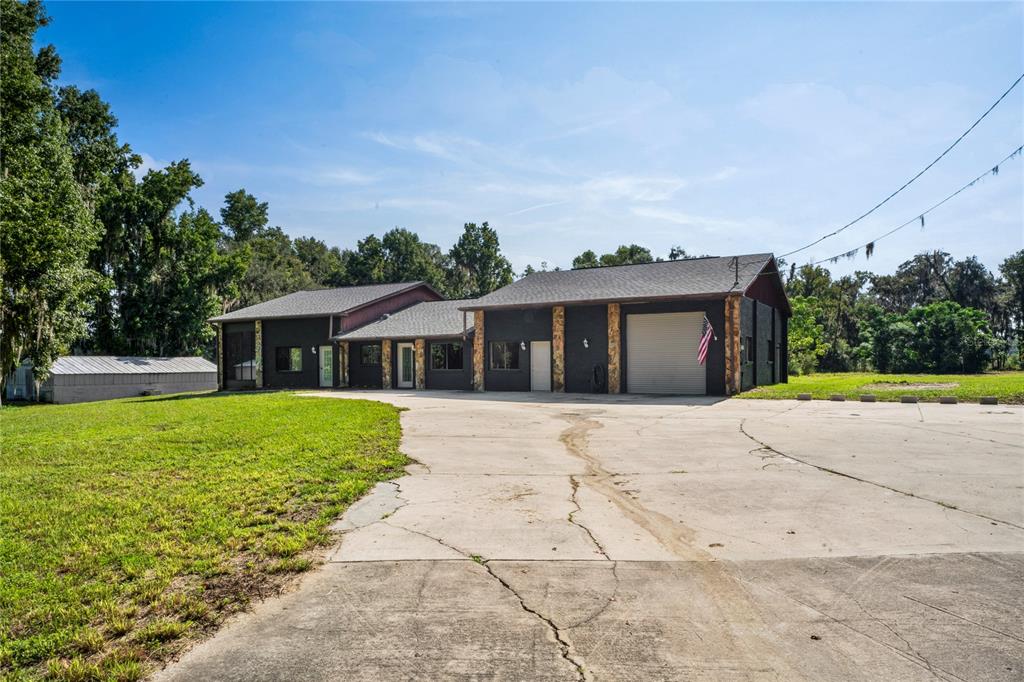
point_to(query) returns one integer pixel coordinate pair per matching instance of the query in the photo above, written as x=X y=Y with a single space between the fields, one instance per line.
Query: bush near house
x=129 y=527
x=1007 y=386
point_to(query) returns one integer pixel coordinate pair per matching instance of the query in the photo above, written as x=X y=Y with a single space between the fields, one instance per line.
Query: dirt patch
x=913 y=385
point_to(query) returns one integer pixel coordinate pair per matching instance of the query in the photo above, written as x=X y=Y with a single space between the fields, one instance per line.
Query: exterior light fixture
x=522 y=345
x=586 y=342
x=313 y=348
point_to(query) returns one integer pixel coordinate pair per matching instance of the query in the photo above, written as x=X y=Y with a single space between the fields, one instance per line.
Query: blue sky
x=723 y=128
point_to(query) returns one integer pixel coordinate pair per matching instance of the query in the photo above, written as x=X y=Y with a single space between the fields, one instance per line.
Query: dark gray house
x=428 y=345
x=289 y=342
x=631 y=328
x=635 y=328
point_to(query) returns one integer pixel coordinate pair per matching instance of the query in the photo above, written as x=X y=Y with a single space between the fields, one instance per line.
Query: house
x=635 y=329
x=630 y=328
x=427 y=345
x=288 y=342
x=84 y=378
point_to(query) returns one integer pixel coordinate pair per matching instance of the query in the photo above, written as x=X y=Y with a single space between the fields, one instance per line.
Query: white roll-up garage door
x=661 y=354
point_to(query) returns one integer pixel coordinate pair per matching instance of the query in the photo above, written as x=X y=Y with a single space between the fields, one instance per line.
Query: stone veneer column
x=220 y=356
x=614 y=353
x=732 y=344
x=478 y=350
x=421 y=364
x=385 y=364
x=558 y=348
x=343 y=364
x=258 y=355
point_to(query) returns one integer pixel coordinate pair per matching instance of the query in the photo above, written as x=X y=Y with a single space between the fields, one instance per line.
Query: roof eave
x=712 y=295
x=399 y=337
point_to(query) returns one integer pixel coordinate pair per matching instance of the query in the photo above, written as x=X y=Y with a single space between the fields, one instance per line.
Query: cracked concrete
x=623 y=537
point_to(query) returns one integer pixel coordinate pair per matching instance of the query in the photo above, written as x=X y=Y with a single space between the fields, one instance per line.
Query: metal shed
x=83 y=378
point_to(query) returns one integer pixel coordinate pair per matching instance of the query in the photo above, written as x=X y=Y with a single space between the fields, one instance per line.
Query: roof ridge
x=354 y=286
x=653 y=262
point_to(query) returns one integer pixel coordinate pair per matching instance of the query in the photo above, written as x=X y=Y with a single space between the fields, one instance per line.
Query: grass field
x=1007 y=386
x=129 y=527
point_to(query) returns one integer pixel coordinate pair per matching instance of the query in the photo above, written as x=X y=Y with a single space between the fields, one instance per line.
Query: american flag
x=707 y=333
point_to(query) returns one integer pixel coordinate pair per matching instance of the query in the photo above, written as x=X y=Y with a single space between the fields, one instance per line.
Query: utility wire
x=908 y=182
x=920 y=216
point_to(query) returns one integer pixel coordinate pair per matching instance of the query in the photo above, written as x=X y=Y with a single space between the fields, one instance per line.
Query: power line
x=908 y=182
x=920 y=216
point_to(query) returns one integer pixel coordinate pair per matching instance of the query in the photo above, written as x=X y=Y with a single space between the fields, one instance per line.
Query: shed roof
x=123 y=364
x=691 y=277
x=428 y=319
x=318 y=302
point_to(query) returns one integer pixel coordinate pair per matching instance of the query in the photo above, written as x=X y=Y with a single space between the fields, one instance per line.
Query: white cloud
x=148 y=164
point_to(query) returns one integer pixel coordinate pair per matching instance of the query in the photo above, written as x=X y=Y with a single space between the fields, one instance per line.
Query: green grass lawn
x=129 y=527
x=1007 y=386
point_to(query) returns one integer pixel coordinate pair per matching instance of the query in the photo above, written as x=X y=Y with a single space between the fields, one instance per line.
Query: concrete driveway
x=631 y=538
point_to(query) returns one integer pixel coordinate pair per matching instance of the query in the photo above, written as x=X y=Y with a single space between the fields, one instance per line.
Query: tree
x=97 y=153
x=587 y=259
x=325 y=265
x=477 y=266
x=243 y=216
x=938 y=337
x=368 y=263
x=1011 y=296
x=274 y=269
x=407 y=259
x=806 y=335
x=46 y=229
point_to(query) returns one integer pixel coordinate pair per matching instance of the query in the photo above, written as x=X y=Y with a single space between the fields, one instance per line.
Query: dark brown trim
x=414 y=285
x=401 y=338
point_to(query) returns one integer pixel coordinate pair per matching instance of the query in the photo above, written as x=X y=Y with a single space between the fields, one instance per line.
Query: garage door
x=661 y=354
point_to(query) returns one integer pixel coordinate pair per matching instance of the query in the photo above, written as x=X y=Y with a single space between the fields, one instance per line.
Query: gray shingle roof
x=318 y=302
x=419 y=321
x=122 y=364
x=667 y=279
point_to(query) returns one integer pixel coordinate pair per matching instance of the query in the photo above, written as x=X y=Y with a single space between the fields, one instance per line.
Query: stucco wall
x=358 y=375
x=747 y=312
x=305 y=333
x=452 y=379
x=526 y=325
x=591 y=323
x=765 y=350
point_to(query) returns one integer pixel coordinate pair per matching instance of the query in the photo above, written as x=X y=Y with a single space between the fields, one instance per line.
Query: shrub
x=939 y=337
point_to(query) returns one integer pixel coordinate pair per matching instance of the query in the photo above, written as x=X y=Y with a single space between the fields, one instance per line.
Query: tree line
x=94 y=257
x=97 y=259
x=934 y=314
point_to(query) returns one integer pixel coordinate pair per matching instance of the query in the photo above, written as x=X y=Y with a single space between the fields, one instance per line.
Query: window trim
x=749 y=357
x=380 y=355
x=490 y=357
x=446 y=345
x=277 y=358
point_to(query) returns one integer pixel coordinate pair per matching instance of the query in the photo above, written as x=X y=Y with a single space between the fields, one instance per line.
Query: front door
x=326 y=366
x=540 y=365
x=406 y=365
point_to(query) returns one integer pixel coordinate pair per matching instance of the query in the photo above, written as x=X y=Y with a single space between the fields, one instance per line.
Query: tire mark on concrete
x=731 y=599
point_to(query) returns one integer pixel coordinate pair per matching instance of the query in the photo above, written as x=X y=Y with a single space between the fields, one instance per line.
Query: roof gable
x=320 y=302
x=428 y=319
